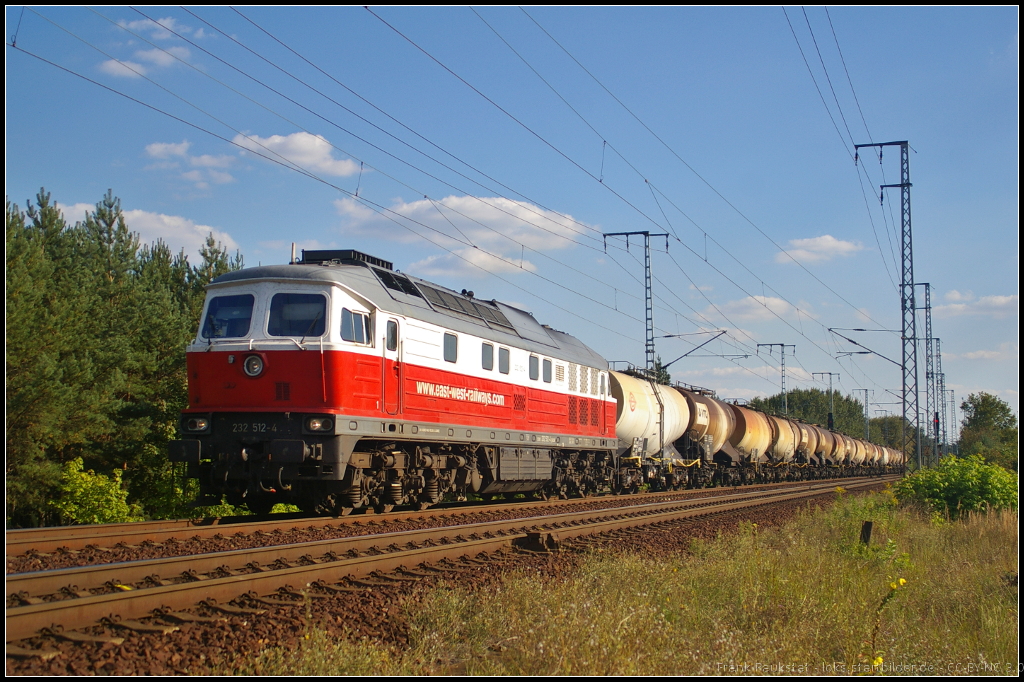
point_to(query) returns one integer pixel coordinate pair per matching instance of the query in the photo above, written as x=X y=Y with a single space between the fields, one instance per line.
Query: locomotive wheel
x=343 y=511
x=383 y=508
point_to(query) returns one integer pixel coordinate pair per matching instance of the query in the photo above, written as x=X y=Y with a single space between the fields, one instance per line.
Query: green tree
x=96 y=330
x=989 y=429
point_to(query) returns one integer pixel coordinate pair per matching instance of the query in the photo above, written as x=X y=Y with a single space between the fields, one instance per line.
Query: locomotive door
x=391 y=366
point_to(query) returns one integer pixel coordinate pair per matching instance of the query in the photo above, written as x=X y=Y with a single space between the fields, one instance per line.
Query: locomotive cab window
x=451 y=347
x=534 y=367
x=228 y=316
x=355 y=327
x=503 y=360
x=487 y=356
x=547 y=371
x=301 y=315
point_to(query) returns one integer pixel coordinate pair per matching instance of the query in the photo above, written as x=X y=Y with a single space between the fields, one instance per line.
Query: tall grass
x=804 y=598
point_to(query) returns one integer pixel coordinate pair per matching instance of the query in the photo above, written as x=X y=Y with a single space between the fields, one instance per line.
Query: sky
x=490 y=149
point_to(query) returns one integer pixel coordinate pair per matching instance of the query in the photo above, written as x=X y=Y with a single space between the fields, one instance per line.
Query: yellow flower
x=892 y=585
x=902 y=582
x=877 y=661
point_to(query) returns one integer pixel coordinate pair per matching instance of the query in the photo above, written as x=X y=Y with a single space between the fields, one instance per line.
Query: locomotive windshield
x=297 y=315
x=228 y=316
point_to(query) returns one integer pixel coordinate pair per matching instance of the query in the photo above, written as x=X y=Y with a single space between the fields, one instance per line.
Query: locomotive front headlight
x=253 y=365
x=197 y=424
x=319 y=424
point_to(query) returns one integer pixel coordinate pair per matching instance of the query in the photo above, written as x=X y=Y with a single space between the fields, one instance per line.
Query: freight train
x=337 y=383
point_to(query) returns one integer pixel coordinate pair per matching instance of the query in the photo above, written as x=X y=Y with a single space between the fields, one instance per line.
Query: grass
x=924 y=597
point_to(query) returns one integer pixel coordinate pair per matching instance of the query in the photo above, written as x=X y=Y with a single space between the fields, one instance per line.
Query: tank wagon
x=337 y=383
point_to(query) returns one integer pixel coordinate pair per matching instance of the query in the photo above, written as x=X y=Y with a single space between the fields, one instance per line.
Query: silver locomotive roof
x=402 y=294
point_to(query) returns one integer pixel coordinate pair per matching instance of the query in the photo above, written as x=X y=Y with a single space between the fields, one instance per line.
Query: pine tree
x=97 y=326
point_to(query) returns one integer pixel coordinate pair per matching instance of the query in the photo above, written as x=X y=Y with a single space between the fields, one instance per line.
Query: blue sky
x=489 y=150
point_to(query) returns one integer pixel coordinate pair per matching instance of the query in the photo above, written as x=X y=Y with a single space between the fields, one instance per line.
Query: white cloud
x=73 y=213
x=163 y=58
x=993 y=306
x=1007 y=351
x=197 y=177
x=165 y=150
x=759 y=308
x=156 y=28
x=465 y=263
x=489 y=232
x=817 y=249
x=703 y=287
x=123 y=69
x=177 y=232
x=982 y=355
x=210 y=161
x=219 y=177
x=954 y=296
x=310 y=152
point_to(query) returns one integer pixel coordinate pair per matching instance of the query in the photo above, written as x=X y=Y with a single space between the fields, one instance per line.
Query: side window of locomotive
x=602 y=384
x=392 y=339
x=355 y=327
x=487 y=356
x=547 y=371
x=534 y=367
x=228 y=316
x=503 y=360
x=451 y=347
x=297 y=315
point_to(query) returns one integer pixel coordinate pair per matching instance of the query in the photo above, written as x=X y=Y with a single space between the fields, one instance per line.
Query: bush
x=88 y=497
x=959 y=486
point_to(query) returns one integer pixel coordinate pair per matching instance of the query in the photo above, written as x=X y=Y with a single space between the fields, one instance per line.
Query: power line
x=688 y=166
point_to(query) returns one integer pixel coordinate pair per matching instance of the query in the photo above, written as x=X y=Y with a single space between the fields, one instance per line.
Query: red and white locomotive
x=336 y=383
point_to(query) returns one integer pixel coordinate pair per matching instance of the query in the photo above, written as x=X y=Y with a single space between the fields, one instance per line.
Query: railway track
x=61 y=601
x=103 y=537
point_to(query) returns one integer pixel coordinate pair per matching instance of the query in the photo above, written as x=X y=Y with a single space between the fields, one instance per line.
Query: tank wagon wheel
x=382 y=508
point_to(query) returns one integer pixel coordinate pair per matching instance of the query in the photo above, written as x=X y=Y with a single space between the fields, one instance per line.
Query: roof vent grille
x=342 y=257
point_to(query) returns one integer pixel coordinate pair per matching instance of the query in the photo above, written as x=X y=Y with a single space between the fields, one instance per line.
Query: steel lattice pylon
x=931 y=375
x=911 y=402
x=649 y=344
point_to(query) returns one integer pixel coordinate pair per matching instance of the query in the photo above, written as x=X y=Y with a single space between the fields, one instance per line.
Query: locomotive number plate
x=253 y=427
